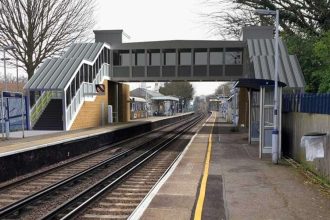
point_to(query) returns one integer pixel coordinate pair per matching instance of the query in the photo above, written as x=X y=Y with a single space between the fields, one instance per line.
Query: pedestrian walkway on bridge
x=238 y=185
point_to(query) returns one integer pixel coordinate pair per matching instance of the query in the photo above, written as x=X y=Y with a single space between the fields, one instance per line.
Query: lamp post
x=4 y=62
x=275 y=113
x=17 y=74
x=146 y=88
x=6 y=88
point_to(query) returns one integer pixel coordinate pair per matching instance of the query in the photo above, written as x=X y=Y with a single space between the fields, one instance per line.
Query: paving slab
x=257 y=189
x=239 y=186
x=176 y=198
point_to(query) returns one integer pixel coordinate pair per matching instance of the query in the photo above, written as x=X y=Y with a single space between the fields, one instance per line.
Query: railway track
x=122 y=201
x=122 y=194
x=24 y=198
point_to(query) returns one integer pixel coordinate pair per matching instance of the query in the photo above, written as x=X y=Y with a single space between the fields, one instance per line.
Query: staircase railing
x=39 y=107
x=86 y=92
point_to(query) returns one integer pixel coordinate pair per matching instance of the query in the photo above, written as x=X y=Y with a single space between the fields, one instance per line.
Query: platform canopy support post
x=117 y=102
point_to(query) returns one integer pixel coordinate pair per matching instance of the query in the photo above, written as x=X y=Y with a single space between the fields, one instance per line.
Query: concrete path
x=257 y=189
x=35 y=139
x=239 y=186
x=176 y=198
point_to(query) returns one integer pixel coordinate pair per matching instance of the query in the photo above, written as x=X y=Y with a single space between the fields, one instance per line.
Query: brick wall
x=90 y=114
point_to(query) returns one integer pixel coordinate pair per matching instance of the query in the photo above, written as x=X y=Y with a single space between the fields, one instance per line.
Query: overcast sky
x=153 y=20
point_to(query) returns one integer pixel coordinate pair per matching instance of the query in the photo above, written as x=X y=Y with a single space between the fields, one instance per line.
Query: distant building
x=157 y=103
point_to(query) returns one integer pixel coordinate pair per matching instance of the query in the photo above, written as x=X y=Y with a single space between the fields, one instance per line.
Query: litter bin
x=314 y=145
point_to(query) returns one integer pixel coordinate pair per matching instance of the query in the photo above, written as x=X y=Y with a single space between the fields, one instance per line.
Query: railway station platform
x=47 y=148
x=37 y=139
x=220 y=176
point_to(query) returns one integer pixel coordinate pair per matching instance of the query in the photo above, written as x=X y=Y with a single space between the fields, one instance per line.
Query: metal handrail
x=39 y=107
x=79 y=98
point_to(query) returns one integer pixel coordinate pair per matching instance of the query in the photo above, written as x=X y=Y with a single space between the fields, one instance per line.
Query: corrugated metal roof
x=137 y=99
x=153 y=93
x=141 y=92
x=261 y=54
x=55 y=74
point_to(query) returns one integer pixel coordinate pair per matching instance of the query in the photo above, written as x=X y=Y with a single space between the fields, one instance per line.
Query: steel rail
x=7 y=210
x=123 y=171
x=77 y=160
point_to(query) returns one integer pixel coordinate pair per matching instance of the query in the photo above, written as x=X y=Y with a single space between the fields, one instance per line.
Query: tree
x=39 y=29
x=183 y=90
x=303 y=48
x=296 y=16
x=200 y=104
x=322 y=52
x=223 y=89
x=179 y=89
x=302 y=24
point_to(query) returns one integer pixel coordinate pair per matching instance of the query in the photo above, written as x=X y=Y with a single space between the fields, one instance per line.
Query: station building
x=157 y=104
x=62 y=92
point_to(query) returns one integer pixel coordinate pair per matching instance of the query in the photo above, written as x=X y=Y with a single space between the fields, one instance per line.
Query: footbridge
x=67 y=84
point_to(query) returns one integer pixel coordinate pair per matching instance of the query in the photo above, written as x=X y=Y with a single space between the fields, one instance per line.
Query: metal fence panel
x=307 y=103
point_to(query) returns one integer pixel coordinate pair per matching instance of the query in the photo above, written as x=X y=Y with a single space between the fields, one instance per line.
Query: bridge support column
x=119 y=99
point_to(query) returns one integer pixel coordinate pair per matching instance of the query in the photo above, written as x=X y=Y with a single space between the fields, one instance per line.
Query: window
x=85 y=73
x=90 y=74
x=121 y=58
x=216 y=56
x=77 y=81
x=200 y=57
x=107 y=52
x=153 y=57
x=233 y=56
x=94 y=71
x=169 y=57
x=185 y=57
x=73 y=89
x=101 y=57
x=81 y=74
x=68 y=96
x=138 y=58
x=96 y=67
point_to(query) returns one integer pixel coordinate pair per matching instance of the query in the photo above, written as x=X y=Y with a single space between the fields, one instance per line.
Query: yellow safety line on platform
x=201 y=197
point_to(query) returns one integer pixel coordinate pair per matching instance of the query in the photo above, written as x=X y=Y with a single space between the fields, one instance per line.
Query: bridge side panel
x=90 y=114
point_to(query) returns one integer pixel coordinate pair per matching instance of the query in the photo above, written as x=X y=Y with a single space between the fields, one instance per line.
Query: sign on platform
x=100 y=90
x=12 y=94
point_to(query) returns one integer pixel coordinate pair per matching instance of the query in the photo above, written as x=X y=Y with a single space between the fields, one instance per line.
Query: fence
x=306 y=103
x=12 y=112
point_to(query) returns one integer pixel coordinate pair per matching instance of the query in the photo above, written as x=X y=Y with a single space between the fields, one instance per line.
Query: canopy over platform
x=136 y=99
x=165 y=98
x=261 y=54
x=256 y=84
x=57 y=73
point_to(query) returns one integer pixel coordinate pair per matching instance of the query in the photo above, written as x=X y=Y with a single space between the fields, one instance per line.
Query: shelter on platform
x=157 y=103
x=138 y=108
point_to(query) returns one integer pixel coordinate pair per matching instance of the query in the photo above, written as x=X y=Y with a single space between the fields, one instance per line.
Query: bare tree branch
x=296 y=16
x=41 y=28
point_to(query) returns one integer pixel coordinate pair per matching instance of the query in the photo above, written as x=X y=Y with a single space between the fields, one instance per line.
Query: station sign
x=11 y=95
x=100 y=90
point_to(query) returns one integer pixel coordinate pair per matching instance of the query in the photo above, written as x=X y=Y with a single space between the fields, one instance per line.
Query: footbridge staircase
x=61 y=86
